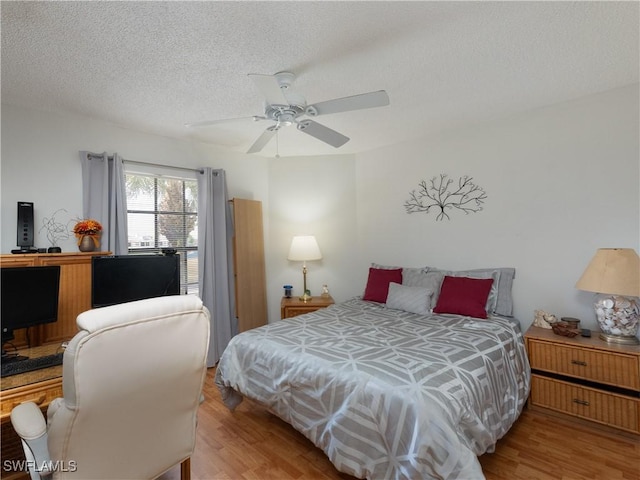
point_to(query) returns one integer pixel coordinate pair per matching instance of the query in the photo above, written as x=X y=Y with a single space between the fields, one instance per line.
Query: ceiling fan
x=286 y=107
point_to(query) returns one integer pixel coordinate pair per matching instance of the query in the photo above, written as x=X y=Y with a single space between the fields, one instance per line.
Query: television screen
x=29 y=297
x=125 y=278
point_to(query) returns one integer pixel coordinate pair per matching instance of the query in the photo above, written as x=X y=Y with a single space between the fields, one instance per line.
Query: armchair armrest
x=30 y=425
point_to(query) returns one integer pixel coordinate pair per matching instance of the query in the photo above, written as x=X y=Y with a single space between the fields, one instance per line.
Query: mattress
x=383 y=392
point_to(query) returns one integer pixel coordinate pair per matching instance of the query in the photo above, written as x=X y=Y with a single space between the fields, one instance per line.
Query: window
x=162 y=212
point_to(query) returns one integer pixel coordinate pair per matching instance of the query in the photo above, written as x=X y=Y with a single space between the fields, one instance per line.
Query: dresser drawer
x=603 y=407
x=41 y=393
x=617 y=369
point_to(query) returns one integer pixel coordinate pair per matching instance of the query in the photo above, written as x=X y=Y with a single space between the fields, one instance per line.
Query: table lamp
x=304 y=248
x=614 y=275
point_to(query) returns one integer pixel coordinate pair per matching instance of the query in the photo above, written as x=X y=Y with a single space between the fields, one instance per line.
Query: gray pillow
x=408 y=270
x=409 y=299
x=419 y=277
x=430 y=280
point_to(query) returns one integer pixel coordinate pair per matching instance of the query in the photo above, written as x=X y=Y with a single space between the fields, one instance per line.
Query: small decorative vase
x=86 y=244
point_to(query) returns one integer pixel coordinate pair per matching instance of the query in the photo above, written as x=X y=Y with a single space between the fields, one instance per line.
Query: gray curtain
x=104 y=198
x=215 y=259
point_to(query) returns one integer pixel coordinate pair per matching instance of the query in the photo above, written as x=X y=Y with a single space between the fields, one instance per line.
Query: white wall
x=561 y=182
x=314 y=196
x=40 y=164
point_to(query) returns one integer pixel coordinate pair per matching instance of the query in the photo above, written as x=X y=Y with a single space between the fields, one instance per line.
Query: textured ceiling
x=154 y=66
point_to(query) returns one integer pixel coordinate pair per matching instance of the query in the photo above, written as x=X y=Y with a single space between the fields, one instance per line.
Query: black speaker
x=25 y=225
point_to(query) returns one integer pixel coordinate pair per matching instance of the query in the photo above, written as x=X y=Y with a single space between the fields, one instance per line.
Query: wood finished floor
x=250 y=443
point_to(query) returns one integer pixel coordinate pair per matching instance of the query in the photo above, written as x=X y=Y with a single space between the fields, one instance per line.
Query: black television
x=126 y=278
x=29 y=297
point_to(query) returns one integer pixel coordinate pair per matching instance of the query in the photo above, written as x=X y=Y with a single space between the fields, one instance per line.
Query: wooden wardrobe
x=249 y=264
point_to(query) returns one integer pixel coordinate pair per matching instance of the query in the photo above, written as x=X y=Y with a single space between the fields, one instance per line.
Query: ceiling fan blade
x=322 y=133
x=356 y=102
x=263 y=139
x=270 y=88
x=225 y=120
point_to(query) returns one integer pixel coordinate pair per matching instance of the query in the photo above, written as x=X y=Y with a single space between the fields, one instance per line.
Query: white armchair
x=132 y=382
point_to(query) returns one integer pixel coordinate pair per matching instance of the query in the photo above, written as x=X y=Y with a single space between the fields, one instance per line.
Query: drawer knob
x=579 y=362
x=581 y=402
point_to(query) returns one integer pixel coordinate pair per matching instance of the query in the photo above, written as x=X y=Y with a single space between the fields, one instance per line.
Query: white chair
x=132 y=382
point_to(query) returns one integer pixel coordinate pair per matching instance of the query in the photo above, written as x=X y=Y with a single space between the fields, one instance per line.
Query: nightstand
x=291 y=307
x=586 y=378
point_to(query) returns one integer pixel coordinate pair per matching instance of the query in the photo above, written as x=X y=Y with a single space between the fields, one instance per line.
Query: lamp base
x=306 y=297
x=618 y=318
x=619 y=339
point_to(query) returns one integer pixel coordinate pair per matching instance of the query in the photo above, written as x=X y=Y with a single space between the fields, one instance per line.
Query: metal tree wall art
x=442 y=194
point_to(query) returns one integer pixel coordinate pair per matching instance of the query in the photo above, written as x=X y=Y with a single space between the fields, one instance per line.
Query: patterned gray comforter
x=385 y=393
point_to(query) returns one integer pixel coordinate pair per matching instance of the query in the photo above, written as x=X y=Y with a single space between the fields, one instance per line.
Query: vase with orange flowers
x=88 y=234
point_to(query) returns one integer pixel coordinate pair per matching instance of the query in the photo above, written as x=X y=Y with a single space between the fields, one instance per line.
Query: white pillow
x=410 y=299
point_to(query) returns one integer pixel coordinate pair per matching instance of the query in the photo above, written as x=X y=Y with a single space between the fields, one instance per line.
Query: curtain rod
x=133 y=162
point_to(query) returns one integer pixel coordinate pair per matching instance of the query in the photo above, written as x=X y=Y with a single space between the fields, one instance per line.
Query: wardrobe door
x=249 y=263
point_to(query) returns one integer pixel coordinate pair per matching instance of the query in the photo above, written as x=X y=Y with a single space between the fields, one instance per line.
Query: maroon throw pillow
x=378 y=283
x=464 y=296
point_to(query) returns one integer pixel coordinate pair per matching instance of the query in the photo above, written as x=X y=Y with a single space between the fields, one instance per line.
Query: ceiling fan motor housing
x=284 y=114
x=285 y=79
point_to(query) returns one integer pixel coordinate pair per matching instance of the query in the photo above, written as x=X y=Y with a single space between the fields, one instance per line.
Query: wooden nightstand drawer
x=292 y=307
x=294 y=311
x=586 y=378
x=611 y=409
x=615 y=369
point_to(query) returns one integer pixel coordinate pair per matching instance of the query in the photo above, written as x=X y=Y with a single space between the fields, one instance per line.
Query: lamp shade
x=303 y=248
x=614 y=271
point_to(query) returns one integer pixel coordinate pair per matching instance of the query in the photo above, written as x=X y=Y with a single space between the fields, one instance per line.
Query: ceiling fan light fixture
x=285 y=121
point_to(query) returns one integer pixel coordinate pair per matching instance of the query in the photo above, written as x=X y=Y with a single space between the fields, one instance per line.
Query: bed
x=391 y=384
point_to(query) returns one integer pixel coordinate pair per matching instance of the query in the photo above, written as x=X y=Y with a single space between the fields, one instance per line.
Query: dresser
x=291 y=307
x=39 y=386
x=585 y=377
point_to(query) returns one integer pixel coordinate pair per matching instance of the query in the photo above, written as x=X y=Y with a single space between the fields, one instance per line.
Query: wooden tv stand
x=75 y=293
x=42 y=386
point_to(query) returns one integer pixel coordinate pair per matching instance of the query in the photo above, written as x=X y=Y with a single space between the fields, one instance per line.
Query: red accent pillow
x=464 y=296
x=378 y=283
